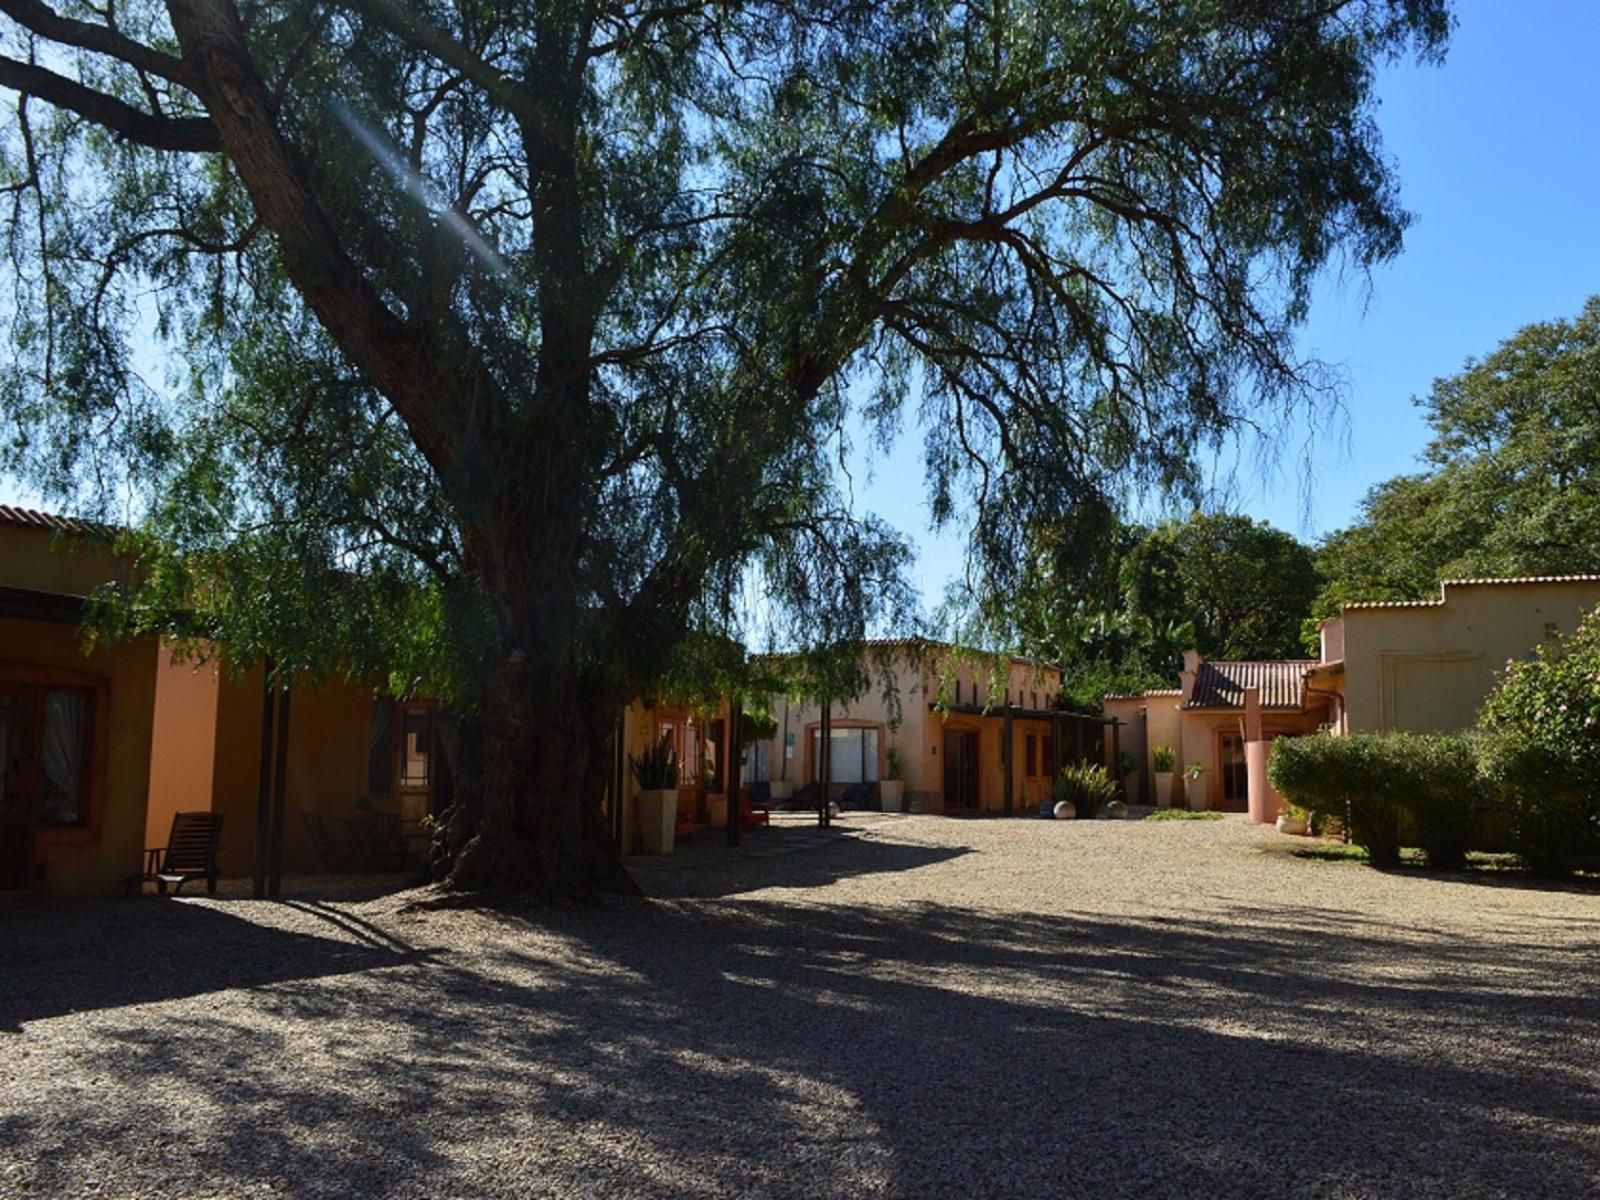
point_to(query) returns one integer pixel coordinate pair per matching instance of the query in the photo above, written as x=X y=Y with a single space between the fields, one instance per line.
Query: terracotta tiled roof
x=1222 y=684
x=1508 y=581
x=33 y=519
x=1144 y=695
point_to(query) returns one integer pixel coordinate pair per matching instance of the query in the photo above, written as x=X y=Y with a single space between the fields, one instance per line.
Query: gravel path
x=934 y=1007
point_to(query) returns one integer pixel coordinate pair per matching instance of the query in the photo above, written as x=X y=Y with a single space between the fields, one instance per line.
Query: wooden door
x=960 y=771
x=1233 y=777
x=16 y=790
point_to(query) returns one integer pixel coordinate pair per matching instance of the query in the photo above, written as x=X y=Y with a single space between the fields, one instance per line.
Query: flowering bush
x=1542 y=747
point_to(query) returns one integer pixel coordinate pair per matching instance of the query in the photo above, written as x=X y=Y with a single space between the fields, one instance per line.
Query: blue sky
x=1498 y=154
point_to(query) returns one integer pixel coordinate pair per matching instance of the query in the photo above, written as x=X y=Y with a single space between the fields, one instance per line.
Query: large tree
x=501 y=345
x=1511 y=484
x=1117 y=608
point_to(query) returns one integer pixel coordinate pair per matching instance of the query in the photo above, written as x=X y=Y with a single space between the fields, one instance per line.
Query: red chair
x=755 y=810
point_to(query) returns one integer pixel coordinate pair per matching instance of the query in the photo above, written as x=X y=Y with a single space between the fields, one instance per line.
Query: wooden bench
x=190 y=853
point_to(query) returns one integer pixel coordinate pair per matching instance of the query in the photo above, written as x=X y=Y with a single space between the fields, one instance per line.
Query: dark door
x=16 y=796
x=1233 y=776
x=960 y=771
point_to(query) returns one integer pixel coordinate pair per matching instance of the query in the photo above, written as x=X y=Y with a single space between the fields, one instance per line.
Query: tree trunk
x=527 y=817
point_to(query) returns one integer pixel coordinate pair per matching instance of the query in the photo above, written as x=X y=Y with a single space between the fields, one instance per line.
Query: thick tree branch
x=195 y=134
x=47 y=23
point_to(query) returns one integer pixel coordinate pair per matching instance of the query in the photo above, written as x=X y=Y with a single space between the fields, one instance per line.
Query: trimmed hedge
x=1387 y=786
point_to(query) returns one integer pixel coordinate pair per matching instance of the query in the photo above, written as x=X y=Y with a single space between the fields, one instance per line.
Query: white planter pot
x=1163 y=789
x=658 y=819
x=1292 y=825
x=891 y=792
x=1196 y=792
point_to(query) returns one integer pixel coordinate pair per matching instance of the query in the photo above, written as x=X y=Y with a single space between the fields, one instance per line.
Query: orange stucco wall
x=182 y=744
x=326 y=772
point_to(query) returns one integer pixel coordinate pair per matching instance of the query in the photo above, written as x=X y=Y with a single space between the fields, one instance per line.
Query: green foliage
x=1348 y=778
x=893 y=766
x=1163 y=759
x=1387 y=786
x=1182 y=814
x=1118 y=613
x=1504 y=491
x=1086 y=787
x=1440 y=785
x=657 y=768
x=1542 y=747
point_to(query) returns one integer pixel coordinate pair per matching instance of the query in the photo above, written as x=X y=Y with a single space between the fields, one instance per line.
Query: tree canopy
x=507 y=347
x=1510 y=485
x=1118 y=617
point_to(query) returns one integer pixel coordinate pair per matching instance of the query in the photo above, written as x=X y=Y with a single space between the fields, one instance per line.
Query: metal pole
x=619 y=778
x=279 y=786
x=735 y=784
x=825 y=765
x=264 y=787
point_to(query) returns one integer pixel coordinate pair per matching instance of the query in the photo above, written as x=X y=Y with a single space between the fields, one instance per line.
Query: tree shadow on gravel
x=770 y=1046
x=718 y=872
x=74 y=956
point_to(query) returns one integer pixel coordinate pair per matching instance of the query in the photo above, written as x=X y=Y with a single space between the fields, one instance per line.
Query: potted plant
x=891 y=788
x=1162 y=760
x=656 y=772
x=1292 y=820
x=1195 y=773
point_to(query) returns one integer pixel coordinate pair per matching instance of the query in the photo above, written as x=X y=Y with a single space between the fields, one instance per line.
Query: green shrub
x=657 y=768
x=1421 y=788
x=1163 y=759
x=1345 y=778
x=1087 y=788
x=1542 y=749
x=1182 y=814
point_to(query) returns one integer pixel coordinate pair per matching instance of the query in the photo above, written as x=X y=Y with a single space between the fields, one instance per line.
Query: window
x=1031 y=755
x=958 y=691
x=1033 y=699
x=855 y=756
x=713 y=759
x=64 y=742
x=417 y=750
x=1049 y=755
x=758 y=763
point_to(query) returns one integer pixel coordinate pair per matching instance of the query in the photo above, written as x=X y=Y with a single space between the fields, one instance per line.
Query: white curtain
x=64 y=715
x=855 y=755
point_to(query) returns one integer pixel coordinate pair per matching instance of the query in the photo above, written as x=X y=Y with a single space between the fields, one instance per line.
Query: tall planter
x=891 y=792
x=658 y=819
x=1163 y=789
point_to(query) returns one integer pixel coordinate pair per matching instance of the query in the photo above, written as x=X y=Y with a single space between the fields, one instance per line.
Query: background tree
x=1511 y=486
x=1119 y=612
x=549 y=317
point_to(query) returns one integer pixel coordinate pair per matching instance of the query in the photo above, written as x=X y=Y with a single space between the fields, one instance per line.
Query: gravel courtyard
x=933 y=1007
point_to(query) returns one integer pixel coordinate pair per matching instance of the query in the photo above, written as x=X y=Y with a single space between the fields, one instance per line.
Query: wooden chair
x=190 y=853
x=335 y=853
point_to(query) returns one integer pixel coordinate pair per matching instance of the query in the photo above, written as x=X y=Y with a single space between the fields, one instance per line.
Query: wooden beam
x=279 y=789
x=1008 y=757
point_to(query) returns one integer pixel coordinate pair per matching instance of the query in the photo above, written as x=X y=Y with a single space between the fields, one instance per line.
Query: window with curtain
x=855 y=756
x=758 y=763
x=63 y=751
